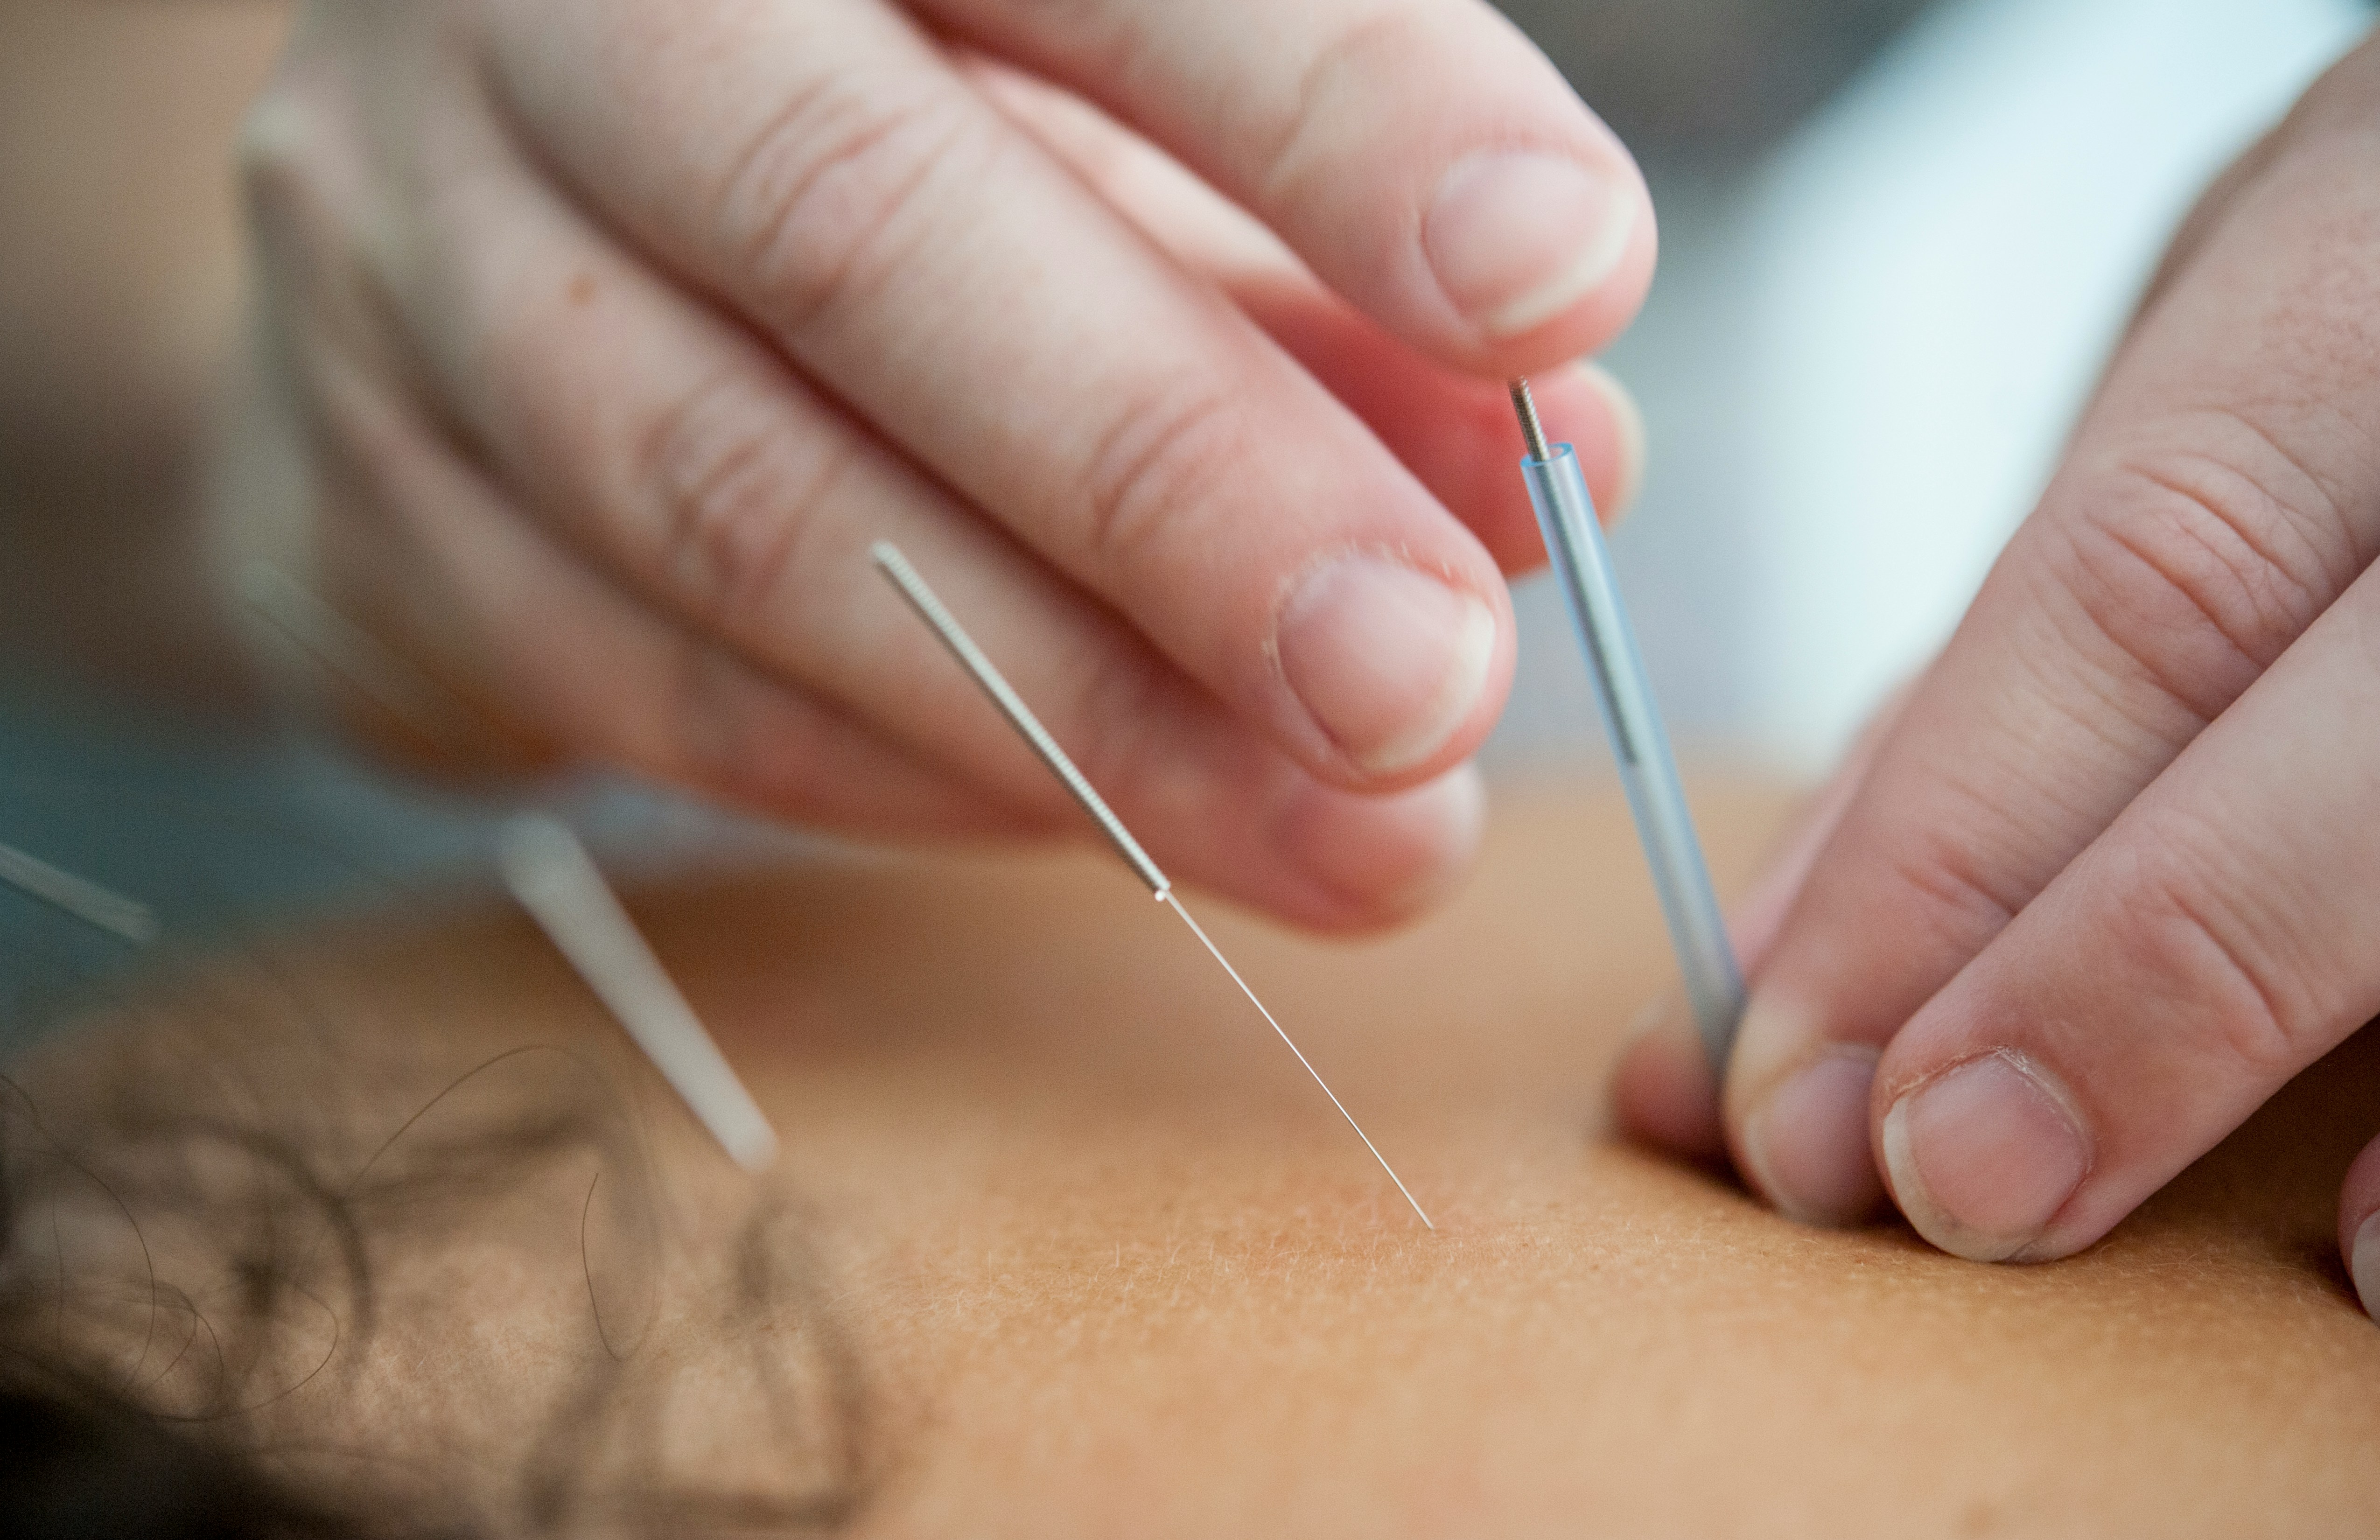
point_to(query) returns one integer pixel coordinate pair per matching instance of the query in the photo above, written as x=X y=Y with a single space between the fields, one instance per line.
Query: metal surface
x=86 y=901
x=889 y=560
x=929 y=608
x=1648 y=768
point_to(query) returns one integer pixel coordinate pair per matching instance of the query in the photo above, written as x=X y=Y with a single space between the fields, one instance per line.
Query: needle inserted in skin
x=1198 y=930
x=896 y=567
x=558 y=883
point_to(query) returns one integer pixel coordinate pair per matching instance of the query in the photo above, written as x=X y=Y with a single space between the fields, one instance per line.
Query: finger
x=416 y=546
x=901 y=240
x=2217 y=939
x=1663 y=1091
x=1454 y=430
x=707 y=480
x=2217 y=497
x=608 y=677
x=1424 y=159
x=2359 y=1226
x=1457 y=434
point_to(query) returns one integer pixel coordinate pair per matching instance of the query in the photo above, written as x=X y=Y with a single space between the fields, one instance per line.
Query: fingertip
x=1626 y=468
x=1797 y=1112
x=1983 y=1155
x=1805 y=1145
x=1401 y=669
x=1539 y=252
x=1373 y=861
x=1662 y=1090
x=2363 y=1264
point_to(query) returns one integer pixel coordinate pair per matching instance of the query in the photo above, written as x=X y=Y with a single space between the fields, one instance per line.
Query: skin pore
x=1062 y=1242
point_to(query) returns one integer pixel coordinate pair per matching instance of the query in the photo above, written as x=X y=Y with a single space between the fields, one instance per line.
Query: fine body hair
x=236 y=1257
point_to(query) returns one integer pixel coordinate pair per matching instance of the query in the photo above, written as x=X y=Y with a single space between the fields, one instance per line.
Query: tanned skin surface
x=1061 y=1243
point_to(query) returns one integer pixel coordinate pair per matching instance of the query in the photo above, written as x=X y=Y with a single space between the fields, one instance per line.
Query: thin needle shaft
x=1648 y=770
x=85 y=900
x=896 y=567
x=1196 y=930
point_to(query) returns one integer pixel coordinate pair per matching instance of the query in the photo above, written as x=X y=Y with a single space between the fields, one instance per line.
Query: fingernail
x=1386 y=856
x=1807 y=1144
x=1518 y=236
x=1628 y=428
x=2366 y=1266
x=1389 y=662
x=1983 y=1158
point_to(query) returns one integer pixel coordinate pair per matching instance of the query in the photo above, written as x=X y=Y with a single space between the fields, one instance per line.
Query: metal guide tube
x=1648 y=769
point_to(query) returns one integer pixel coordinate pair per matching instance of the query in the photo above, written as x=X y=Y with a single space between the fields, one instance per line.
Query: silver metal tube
x=1648 y=769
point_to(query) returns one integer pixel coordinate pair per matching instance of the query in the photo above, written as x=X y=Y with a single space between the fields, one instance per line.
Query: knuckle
x=1384 y=40
x=735 y=494
x=2185 y=923
x=2201 y=566
x=1159 y=458
x=1943 y=869
x=817 y=205
x=2202 y=563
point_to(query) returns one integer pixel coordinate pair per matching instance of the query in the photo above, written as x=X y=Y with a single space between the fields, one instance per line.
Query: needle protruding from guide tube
x=1656 y=798
x=930 y=609
x=1532 y=431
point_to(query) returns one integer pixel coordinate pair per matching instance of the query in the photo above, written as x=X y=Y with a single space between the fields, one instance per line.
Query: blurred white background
x=1865 y=345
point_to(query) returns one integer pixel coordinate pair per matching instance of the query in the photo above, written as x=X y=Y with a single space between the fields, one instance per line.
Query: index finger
x=1426 y=160
x=824 y=171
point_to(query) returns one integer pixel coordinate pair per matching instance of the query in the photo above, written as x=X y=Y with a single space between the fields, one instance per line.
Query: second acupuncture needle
x=929 y=608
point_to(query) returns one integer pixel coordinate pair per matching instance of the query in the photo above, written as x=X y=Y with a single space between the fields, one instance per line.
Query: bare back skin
x=1062 y=1242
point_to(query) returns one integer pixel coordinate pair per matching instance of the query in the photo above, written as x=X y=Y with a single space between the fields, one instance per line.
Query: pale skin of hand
x=1167 y=340
x=2108 y=876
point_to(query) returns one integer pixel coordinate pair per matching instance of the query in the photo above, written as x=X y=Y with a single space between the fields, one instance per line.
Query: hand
x=2113 y=874
x=606 y=335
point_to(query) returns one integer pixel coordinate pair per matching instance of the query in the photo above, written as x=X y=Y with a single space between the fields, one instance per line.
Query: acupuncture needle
x=550 y=872
x=930 y=609
x=1648 y=769
x=85 y=900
